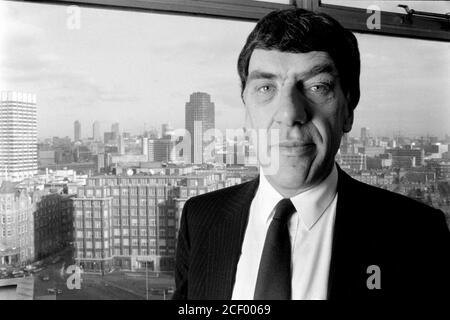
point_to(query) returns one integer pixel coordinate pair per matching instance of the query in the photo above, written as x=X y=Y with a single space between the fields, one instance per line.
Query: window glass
x=123 y=74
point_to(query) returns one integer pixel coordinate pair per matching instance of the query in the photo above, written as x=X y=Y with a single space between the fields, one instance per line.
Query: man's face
x=300 y=95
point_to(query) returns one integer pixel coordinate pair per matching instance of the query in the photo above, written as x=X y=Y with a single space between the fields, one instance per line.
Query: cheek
x=259 y=117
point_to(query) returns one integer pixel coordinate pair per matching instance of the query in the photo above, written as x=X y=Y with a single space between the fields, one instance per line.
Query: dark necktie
x=274 y=275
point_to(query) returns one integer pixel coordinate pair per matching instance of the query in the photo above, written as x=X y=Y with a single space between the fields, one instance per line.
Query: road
x=111 y=286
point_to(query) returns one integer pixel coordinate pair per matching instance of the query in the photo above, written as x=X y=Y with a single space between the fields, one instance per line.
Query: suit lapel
x=225 y=242
x=351 y=240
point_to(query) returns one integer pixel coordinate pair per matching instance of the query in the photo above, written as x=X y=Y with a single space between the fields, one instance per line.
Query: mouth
x=294 y=147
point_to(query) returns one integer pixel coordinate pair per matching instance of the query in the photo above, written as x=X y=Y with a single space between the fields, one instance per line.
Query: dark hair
x=299 y=30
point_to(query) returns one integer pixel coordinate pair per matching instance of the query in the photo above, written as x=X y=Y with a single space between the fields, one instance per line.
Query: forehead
x=288 y=63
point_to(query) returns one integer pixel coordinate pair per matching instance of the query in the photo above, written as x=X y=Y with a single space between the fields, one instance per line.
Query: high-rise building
x=364 y=135
x=96 y=131
x=115 y=128
x=18 y=135
x=77 y=131
x=199 y=117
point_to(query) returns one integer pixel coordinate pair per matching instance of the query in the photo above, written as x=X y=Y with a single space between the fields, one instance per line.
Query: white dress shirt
x=311 y=232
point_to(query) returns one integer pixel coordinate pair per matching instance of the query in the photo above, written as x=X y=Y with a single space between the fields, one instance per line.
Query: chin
x=291 y=177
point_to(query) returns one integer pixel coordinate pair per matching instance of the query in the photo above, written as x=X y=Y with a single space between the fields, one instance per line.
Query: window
x=192 y=46
x=125 y=242
x=125 y=232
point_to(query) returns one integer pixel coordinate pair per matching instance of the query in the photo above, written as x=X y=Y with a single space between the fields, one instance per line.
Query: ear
x=348 y=122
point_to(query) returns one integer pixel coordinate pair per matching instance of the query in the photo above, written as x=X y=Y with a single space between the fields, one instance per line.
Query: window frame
x=355 y=19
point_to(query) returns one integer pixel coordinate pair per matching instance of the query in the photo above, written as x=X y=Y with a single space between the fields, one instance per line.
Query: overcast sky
x=139 y=69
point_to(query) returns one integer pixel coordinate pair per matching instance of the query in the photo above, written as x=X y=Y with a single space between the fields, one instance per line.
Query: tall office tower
x=199 y=118
x=364 y=135
x=77 y=131
x=116 y=129
x=18 y=135
x=96 y=131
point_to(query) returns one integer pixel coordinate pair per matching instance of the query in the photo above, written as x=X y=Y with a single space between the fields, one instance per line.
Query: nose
x=292 y=108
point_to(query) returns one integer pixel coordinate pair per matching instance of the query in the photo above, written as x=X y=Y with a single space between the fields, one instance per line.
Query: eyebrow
x=315 y=70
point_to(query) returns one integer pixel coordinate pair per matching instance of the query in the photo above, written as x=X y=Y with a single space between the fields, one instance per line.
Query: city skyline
x=88 y=74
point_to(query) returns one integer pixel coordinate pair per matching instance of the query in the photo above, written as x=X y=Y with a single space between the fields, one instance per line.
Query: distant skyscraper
x=199 y=118
x=116 y=129
x=18 y=135
x=96 y=131
x=364 y=135
x=77 y=131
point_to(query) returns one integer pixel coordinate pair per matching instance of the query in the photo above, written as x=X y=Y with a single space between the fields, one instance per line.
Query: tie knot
x=283 y=210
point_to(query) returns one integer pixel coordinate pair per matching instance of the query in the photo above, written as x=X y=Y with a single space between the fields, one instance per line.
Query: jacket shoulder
x=214 y=201
x=393 y=207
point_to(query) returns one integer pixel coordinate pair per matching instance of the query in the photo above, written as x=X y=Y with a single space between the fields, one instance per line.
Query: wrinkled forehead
x=274 y=63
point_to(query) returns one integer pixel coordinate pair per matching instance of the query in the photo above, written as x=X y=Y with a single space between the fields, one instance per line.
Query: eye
x=264 y=89
x=321 y=88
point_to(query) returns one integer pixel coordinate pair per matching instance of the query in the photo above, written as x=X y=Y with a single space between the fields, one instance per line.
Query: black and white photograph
x=224 y=150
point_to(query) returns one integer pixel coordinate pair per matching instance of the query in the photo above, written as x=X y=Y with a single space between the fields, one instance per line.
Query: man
x=307 y=230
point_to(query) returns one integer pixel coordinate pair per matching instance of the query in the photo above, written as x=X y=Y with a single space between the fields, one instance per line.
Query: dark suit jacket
x=407 y=240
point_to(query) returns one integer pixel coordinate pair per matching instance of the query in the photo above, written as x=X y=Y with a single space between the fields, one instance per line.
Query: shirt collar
x=310 y=204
